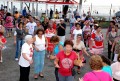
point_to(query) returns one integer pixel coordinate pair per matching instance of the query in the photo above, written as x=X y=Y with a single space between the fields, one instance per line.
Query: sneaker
x=16 y=59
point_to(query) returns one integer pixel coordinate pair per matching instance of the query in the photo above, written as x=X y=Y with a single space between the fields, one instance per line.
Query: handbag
x=78 y=61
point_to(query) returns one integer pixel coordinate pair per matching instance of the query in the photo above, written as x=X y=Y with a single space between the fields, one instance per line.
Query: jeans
x=56 y=74
x=71 y=25
x=24 y=73
x=65 y=78
x=19 y=44
x=39 y=57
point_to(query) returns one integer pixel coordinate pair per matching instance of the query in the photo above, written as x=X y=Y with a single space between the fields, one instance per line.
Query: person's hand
x=14 y=42
x=36 y=49
x=57 y=66
x=81 y=64
x=30 y=61
x=110 y=42
x=111 y=50
x=80 y=79
x=88 y=55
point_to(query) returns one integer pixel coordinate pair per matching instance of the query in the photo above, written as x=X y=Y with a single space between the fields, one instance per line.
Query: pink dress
x=8 y=22
x=97 y=76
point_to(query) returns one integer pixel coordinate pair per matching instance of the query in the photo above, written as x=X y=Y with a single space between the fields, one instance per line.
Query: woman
x=2 y=41
x=20 y=33
x=97 y=74
x=40 y=44
x=86 y=32
x=79 y=48
x=39 y=26
x=26 y=58
x=48 y=34
x=112 y=24
x=77 y=30
x=58 y=46
x=116 y=44
x=116 y=69
x=106 y=65
x=65 y=62
x=8 y=24
x=111 y=36
x=97 y=41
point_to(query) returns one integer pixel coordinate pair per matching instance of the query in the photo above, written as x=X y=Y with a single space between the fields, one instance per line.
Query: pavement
x=9 y=69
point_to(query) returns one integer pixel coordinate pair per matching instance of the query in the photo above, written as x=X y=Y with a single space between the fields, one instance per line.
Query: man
x=31 y=26
x=61 y=27
x=51 y=13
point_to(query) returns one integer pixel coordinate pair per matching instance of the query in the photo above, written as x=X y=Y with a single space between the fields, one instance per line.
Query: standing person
x=116 y=69
x=2 y=41
x=72 y=20
x=116 y=44
x=39 y=53
x=51 y=13
x=20 y=33
x=87 y=33
x=45 y=23
x=57 y=48
x=24 y=12
x=77 y=31
x=96 y=74
x=8 y=24
x=97 y=41
x=79 y=48
x=65 y=62
x=48 y=34
x=26 y=58
x=111 y=36
x=112 y=24
x=39 y=26
x=31 y=25
x=61 y=28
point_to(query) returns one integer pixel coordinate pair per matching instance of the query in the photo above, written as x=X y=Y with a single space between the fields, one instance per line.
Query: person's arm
x=63 y=27
x=46 y=42
x=34 y=39
x=108 y=38
x=25 y=57
x=2 y=30
x=60 y=47
x=56 y=63
x=113 y=45
x=84 y=50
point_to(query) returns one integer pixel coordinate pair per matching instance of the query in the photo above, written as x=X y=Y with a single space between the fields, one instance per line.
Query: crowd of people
x=34 y=39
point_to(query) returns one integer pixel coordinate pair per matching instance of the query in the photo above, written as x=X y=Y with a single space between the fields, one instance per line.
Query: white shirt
x=75 y=32
x=40 y=43
x=116 y=70
x=28 y=50
x=31 y=27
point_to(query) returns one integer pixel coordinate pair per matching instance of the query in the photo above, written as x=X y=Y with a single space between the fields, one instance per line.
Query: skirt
x=96 y=50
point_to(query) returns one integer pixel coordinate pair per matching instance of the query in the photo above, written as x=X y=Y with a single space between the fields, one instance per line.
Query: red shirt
x=66 y=62
x=98 y=40
x=54 y=26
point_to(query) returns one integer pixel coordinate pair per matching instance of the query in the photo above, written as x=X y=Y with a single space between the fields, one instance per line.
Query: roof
x=51 y=1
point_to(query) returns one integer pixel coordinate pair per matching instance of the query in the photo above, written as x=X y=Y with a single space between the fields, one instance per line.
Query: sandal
x=41 y=75
x=35 y=76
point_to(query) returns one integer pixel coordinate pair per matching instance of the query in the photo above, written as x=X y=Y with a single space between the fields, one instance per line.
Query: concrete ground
x=9 y=69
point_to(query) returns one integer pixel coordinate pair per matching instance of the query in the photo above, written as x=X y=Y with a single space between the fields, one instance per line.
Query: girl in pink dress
x=2 y=41
x=8 y=25
x=49 y=33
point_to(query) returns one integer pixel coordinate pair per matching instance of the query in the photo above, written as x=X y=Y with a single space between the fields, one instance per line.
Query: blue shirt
x=56 y=49
x=107 y=69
